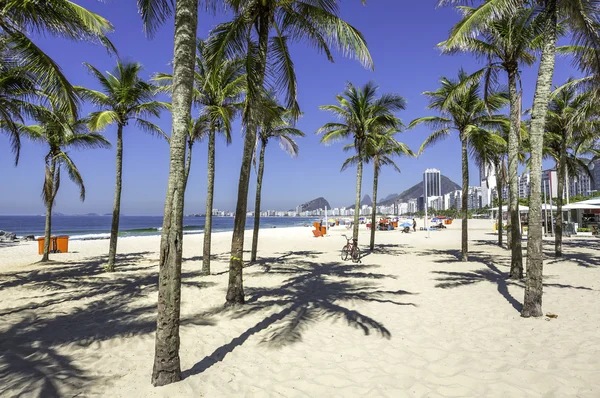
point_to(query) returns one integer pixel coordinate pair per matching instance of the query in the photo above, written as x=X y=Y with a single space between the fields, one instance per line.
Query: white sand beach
x=409 y=321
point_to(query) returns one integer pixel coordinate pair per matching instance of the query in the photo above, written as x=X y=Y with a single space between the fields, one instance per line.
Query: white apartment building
x=412 y=206
x=487 y=177
x=435 y=202
x=475 y=198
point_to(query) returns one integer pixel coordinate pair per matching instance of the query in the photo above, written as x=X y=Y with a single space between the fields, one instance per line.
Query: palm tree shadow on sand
x=492 y=272
x=311 y=292
x=97 y=307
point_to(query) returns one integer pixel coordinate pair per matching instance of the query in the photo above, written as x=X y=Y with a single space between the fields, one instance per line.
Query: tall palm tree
x=488 y=148
x=572 y=120
x=381 y=149
x=62 y=18
x=125 y=98
x=17 y=89
x=249 y=33
x=581 y=18
x=167 y=366
x=506 y=44
x=276 y=124
x=461 y=108
x=218 y=88
x=360 y=113
x=57 y=129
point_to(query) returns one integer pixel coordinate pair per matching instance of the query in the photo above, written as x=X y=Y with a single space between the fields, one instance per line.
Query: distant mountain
x=366 y=200
x=315 y=204
x=417 y=190
x=389 y=197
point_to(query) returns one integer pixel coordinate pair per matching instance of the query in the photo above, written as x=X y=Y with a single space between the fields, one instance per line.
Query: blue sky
x=402 y=38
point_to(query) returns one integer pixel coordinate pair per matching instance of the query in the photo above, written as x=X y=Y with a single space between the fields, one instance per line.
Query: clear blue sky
x=402 y=38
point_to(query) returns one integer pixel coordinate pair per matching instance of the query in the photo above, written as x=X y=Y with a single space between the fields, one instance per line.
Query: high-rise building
x=595 y=171
x=549 y=184
x=524 y=189
x=412 y=206
x=475 y=198
x=581 y=184
x=487 y=176
x=432 y=182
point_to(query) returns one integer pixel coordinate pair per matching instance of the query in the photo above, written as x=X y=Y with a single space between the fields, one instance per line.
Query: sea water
x=98 y=227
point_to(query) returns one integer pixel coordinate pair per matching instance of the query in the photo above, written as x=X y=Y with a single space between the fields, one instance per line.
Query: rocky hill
x=417 y=190
x=366 y=200
x=315 y=204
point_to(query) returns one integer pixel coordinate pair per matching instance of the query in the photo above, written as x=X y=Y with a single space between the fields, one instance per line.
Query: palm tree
x=360 y=113
x=572 y=120
x=218 y=89
x=197 y=132
x=57 y=129
x=581 y=18
x=461 y=108
x=506 y=44
x=249 y=33
x=488 y=148
x=17 y=87
x=64 y=18
x=381 y=148
x=276 y=123
x=125 y=97
x=167 y=367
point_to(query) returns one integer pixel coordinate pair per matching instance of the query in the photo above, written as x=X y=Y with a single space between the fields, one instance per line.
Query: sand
x=409 y=321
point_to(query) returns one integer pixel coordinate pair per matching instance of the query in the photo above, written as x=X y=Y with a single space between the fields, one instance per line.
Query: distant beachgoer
x=414 y=225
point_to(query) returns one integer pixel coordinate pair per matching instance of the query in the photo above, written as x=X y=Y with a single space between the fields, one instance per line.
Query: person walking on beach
x=414 y=225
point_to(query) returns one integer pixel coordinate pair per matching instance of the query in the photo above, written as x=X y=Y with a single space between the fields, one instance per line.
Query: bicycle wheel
x=345 y=253
x=356 y=254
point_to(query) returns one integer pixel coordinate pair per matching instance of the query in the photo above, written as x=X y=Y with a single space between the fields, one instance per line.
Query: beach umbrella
x=406 y=224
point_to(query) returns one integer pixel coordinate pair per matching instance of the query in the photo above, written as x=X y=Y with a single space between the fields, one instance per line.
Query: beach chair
x=317 y=233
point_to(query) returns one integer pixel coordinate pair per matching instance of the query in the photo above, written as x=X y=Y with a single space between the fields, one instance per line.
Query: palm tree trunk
x=49 y=205
x=209 y=203
x=465 y=199
x=359 y=171
x=235 y=289
x=561 y=166
x=532 y=303
x=516 y=259
x=167 y=368
x=188 y=161
x=374 y=215
x=114 y=229
x=261 y=169
x=499 y=188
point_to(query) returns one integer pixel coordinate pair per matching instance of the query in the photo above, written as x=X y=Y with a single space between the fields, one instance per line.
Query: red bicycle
x=351 y=249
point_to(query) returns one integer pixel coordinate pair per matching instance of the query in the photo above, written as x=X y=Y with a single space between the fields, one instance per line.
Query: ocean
x=98 y=227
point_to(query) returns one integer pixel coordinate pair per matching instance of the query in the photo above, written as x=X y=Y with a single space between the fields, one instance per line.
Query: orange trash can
x=62 y=244
x=40 y=245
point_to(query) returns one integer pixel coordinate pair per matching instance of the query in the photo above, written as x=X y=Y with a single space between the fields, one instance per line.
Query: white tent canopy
x=595 y=204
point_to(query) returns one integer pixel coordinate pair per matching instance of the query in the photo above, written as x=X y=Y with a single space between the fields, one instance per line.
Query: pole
x=545 y=211
x=567 y=185
x=550 y=197
x=326 y=223
x=426 y=206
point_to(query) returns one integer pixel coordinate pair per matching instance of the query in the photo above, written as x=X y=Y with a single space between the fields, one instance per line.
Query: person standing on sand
x=414 y=225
